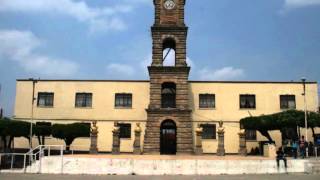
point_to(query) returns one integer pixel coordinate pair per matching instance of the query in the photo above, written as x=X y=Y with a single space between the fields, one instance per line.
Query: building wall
x=227 y=108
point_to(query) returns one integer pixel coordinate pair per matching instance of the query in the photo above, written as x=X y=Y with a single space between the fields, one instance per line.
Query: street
x=223 y=177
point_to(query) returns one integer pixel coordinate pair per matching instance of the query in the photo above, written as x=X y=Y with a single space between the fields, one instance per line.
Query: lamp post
x=305 y=112
x=1 y=110
x=32 y=105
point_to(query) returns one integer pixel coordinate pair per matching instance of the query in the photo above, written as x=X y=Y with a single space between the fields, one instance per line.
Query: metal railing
x=13 y=161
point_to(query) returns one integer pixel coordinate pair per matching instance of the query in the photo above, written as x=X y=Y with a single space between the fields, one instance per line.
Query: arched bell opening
x=168 y=95
x=169 y=52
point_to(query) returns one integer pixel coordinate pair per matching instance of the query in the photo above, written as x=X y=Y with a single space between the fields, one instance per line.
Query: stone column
x=116 y=139
x=242 y=143
x=94 y=138
x=198 y=150
x=221 y=150
x=137 y=136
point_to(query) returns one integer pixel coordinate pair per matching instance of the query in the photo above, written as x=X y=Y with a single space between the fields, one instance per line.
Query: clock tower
x=169 y=124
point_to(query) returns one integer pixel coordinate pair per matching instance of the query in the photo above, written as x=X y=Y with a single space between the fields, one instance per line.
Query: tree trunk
x=313 y=133
x=39 y=140
x=266 y=134
x=43 y=140
x=10 y=142
x=5 y=147
x=67 y=147
x=68 y=142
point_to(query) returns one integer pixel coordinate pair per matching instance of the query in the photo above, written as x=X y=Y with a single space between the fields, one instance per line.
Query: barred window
x=208 y=131
x=247 y=101
x=123 y=100
x=83 y=100
x=207 y=101
x=287 y=101
x=251 y=135
x=125 y=130
x=45 y=99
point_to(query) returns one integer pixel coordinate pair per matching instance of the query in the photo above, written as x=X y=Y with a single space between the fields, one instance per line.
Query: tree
x=280 y=121
x=41 y=130
x=11 y=128
x=313 y=121
x=69 y=132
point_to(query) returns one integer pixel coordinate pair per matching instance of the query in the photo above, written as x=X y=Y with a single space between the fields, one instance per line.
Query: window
x=84 y=100
x=247 y=101
x=124 y=100
x=125 y=130
x=208 y=131
x=45 y=99
x=251 y=135
x=168 y=95
x=207 y=101
x=287 y=101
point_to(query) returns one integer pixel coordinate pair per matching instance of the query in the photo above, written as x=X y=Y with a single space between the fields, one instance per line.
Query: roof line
x=190 y=81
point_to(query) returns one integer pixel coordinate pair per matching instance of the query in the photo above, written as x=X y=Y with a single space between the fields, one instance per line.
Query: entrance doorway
x=168 y=137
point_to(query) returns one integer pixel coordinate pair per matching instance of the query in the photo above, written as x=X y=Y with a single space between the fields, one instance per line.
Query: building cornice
x=190 y=81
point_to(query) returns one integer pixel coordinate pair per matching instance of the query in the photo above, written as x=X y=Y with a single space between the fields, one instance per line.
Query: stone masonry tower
x=169 y=127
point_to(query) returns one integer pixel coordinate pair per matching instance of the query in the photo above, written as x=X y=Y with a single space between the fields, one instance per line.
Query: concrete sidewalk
x=225 y=177
x=163 y=165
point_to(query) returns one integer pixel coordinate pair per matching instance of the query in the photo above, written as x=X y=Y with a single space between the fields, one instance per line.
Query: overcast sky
x=269 y=40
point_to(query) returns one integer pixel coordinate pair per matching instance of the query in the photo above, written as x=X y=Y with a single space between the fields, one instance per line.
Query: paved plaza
x=226 y=177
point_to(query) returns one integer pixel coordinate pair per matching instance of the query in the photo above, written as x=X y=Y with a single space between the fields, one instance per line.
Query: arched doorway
x=168 y=137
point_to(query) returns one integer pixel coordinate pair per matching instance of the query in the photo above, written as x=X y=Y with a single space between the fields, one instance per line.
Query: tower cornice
x=169 y=28
x=183 y=1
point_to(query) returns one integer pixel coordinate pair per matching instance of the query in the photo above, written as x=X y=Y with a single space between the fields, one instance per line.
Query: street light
x=1 y=110
x=32 y=104
x=305 y=112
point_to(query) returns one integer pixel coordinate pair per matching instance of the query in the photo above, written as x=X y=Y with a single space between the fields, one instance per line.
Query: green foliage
x=14 y=128
x=286 y=119
x=4 y=127
x=279 y=121
x=43 y=129
x=69 y=132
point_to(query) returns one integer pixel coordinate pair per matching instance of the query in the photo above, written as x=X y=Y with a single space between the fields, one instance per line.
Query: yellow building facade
x=169 y=107
x=227 y=108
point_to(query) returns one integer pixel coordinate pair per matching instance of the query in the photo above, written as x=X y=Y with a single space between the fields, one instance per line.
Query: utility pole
x=32 y=106
x=1 y=110
x=305 y=112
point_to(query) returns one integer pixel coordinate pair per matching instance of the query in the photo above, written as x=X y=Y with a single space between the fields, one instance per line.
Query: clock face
x=169 y=4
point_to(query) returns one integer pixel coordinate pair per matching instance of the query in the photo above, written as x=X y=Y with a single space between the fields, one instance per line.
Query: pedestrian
x=281 y=156
x=310 y=148
x=294 y=149
x=302 y=147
